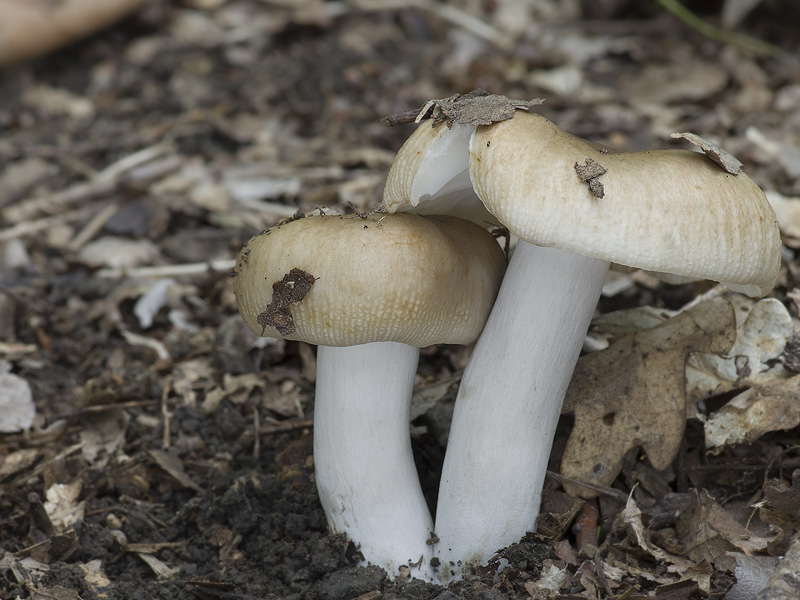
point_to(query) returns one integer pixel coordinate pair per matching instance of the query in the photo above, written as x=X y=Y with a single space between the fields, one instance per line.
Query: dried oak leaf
x=710 y=533
x=634 y=394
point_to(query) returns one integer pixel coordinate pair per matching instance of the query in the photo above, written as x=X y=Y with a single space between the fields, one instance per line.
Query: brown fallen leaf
x=783 y=583
x=759 y=410
x=631 y=518
x=172 y=465
x=709 y=532
x=781 y=504
x=633 y=394
x=54 y=593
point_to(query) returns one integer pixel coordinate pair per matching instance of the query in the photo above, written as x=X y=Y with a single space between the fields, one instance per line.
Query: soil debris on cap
x=724 y=159
x=477 y=107
x=291 y=289
x=589 y=172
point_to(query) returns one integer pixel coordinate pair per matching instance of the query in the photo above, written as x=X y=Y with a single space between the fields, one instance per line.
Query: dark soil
x=185 y=443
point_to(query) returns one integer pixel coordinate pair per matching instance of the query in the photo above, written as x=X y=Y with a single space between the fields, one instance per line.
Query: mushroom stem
x=365 y=472
x=509 y=402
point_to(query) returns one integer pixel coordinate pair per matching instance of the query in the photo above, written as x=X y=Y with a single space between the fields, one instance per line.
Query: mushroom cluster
x=576 y=208
x=370 y=290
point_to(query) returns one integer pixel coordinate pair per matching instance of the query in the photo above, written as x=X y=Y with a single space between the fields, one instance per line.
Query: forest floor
x=169 y=455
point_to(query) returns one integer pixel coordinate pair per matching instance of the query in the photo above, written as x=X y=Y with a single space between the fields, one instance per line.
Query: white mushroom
x=370 y=291
x=576 y=207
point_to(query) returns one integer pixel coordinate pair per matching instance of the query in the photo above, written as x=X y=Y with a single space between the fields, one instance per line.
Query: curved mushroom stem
x=509 y=403
x=365 y=471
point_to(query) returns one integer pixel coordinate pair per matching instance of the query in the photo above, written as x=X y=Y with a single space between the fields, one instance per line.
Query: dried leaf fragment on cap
x=290 y=290
x=477 y=107
x=589 y=172
x=633 y=394
x=724 y=159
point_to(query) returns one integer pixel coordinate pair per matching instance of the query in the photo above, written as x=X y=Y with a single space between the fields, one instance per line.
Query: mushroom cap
x=671 y=211
x=430 y=175
x=403 y=278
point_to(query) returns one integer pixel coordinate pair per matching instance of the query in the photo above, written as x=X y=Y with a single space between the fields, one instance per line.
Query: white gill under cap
x=671 y=211
x=430 y=175
x=352 y=280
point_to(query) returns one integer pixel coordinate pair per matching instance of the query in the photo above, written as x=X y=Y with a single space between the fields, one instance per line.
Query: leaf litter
x=168 y=429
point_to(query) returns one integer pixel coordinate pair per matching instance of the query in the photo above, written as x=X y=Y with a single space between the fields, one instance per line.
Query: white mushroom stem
x=509 y=403
x=365 y=471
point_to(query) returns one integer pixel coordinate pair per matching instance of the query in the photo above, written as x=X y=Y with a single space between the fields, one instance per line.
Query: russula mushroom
x=576 y=207
x=370 y=291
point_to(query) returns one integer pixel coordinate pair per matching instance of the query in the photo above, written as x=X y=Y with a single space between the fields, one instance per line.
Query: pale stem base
x=509 y=403
x=365 y=471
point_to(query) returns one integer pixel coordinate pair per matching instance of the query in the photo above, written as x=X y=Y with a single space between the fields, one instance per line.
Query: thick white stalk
x=365 y=471
x=509 y=403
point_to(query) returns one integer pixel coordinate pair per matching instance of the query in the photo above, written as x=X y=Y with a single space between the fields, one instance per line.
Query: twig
x=26 y=228
x=101 y=408
x=447 y=12
x=166 y=416
x=57 y=201
x=722 y=35
x=257 y=438
x=269 y=428
x=7 y=348
x=214 y=266
x=136 y=339
x=606 y=491
x=93 y=226
x=104 y=183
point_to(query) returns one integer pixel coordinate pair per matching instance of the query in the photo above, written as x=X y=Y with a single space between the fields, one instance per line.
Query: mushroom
x=576 y=207
x=370 y=290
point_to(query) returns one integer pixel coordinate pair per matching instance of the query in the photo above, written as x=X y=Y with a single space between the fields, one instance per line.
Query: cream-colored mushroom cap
x=342 y=281
x=430 y=175
x=671 y=211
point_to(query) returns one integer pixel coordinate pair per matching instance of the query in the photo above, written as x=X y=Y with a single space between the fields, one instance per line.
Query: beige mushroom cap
x=421 y=179
x=401 y=278
x=670 y=211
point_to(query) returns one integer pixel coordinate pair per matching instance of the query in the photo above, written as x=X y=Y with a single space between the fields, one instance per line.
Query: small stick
x=606 y=491
x=214 y=266
x=92 y=227
x=25 y=228
x=101 y=408
x=165 y=414
x=104 y=183
x=257 y=437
